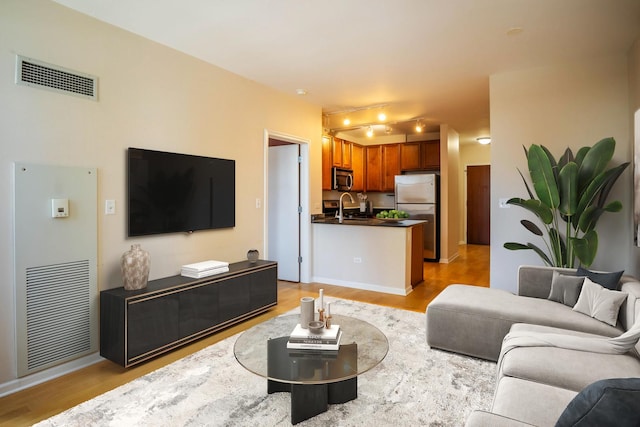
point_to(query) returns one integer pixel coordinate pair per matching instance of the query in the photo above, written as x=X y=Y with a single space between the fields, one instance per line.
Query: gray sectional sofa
x=539 y=381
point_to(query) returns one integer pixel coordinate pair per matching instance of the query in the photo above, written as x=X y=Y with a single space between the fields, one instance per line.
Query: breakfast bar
x=370 y=254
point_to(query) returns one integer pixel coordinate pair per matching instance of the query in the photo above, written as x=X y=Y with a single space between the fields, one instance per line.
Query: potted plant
x=571 y=196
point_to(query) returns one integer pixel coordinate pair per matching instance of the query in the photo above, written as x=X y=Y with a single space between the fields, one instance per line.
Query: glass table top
x=263 y=351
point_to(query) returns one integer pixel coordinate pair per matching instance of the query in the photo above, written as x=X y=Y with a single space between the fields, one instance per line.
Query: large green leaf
x=599 y=183
x=568 y=183
x=580 y=155
x=538 y=208
x=606 y=189
x=595 y=161
x=531 y=227
x=586 y=247
x=526 y=185
x=558 y=247
x=566 y=157
x=542 y=176
x=589 y=218
x=552 y=161
x=512 y=246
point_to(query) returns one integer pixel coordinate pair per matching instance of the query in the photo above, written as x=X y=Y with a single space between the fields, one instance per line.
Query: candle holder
x=327 y=321
x=321 y=314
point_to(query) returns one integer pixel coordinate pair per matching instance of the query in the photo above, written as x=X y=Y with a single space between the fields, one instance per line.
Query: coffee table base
x=309 y=400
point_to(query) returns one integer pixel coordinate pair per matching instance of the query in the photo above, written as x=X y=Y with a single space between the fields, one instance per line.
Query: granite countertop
x=375 y=222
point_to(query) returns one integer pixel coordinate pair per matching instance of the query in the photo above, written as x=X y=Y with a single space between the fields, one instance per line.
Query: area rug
x=414 y=385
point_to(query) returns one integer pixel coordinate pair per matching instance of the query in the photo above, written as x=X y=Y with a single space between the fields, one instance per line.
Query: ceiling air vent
x=34 y=73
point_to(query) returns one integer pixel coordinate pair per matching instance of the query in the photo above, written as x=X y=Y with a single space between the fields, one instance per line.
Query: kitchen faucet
x=340 y=215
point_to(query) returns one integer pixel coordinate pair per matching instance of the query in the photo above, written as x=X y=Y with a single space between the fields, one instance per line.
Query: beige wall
x=449 y=193
x=470 y=155
x=150 y=96
x=570 y=105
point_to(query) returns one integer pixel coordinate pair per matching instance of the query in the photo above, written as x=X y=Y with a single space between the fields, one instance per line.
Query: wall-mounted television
x=171 y=192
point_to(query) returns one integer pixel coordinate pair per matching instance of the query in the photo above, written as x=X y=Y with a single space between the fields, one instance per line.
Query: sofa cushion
x=530 y=402
x=600 y=303
x=565 y=289
x=605 y=279
x=607 y=402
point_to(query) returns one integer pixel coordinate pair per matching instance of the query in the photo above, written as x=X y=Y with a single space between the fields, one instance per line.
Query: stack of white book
x=202 y=269
x=328 y=339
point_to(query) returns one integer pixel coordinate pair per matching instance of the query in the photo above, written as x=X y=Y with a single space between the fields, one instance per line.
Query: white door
x=284 y=218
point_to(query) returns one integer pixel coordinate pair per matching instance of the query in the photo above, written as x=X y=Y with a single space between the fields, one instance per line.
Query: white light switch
x=258 y=203
x=109 y=207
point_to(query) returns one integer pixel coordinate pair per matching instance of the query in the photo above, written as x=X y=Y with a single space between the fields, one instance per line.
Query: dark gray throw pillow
x=565 y=289
x=607 y=280
x=610 y=402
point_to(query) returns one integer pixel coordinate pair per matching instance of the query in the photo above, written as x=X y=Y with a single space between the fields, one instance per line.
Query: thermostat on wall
x=59 y=208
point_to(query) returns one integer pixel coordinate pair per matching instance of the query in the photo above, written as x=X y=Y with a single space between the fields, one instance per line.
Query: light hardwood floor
x=45 y=400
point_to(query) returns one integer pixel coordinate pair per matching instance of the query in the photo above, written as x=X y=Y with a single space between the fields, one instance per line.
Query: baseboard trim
x=363 y=286
x=18 y=384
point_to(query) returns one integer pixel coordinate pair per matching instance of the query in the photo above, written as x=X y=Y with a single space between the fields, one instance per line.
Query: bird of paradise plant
x=573 y=191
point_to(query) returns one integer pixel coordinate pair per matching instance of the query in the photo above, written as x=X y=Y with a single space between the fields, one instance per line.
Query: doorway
x=478 y=205
x=286 y=235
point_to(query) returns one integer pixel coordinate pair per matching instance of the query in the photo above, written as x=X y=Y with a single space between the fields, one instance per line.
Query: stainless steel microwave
x=342 y=179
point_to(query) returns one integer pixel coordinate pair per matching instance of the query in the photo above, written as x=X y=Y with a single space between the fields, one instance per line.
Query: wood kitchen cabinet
x=373 y=161
x=422 y=155
x=341 y=153
x=337 y=153
x=358 y=166
x=390 y=165
x=327 y=162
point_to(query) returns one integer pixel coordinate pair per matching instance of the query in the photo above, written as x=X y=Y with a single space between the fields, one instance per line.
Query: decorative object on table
x=202 y=269
x=316 y=327
x=134 y=265
x=320 y=338
x=573 y=190
x=306 y=311
x=253 y=255
x=327 y=317
x=321 y=305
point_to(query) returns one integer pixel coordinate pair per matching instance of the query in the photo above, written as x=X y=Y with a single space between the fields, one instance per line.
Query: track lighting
x=369 y=131
x=419 y=126
x=346 y=121
x=484 y=140
x=382 y=116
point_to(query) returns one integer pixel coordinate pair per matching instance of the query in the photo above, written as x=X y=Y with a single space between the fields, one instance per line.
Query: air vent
x=34 y=73
x=58 y=313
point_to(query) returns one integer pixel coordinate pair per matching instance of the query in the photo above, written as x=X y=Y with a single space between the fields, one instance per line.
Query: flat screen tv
x=171 y=192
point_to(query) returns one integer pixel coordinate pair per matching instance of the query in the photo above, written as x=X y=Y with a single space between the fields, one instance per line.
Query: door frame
x=305 y=224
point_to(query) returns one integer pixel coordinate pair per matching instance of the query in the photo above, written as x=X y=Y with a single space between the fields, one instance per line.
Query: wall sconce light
x=484 y=140
x=369 y=131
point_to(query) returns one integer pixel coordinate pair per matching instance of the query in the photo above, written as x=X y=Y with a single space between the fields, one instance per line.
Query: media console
x=138 y=325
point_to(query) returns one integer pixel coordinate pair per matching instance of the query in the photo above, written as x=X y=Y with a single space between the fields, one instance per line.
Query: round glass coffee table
x=315 y=378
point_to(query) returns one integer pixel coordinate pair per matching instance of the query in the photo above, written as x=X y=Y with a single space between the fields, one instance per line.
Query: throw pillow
x=608 y=280
x=600 y=303
x=607 y=402
x=565 y=289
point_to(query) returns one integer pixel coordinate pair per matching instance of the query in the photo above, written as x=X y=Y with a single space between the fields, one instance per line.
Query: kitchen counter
x=368 y=253
x=368 y=221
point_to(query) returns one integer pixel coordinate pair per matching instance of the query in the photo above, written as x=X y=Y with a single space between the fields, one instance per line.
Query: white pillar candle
x=321 y=299
x=328 y=309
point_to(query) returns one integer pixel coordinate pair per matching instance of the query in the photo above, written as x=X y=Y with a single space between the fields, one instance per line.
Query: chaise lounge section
x=538 y=380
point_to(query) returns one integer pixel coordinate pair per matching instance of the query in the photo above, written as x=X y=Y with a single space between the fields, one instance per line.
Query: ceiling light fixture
x=382 y=116
x=419 y=126
x=484 y=140
x=369 y=131
x=301 y=91
x=346 y=121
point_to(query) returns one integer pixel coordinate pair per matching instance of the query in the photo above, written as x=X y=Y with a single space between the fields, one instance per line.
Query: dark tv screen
x=171 y=192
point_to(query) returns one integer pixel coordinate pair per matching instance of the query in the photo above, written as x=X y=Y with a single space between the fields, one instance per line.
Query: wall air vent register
x=34 y=73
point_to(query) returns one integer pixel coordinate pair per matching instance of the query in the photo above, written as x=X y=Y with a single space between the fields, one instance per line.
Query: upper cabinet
x=390 y=165
x=423 y=155
x=327 y=162
x=357 y=164
x=339 y=153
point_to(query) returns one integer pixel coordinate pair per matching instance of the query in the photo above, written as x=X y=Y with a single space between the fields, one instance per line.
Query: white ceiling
x=427 y=59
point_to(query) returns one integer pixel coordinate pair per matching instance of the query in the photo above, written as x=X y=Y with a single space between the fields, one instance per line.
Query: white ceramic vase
x=134 y=265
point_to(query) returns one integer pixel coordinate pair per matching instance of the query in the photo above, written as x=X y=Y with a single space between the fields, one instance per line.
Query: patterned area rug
x=413 y=385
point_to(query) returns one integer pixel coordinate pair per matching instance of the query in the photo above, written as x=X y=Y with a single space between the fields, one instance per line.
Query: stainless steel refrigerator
x=418 y=196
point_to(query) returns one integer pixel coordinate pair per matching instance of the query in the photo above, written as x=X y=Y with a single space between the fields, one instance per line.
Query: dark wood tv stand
x=170 y=312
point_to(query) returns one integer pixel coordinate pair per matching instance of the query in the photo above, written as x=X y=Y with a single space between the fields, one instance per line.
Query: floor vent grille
x=39 y=74
x=58 y=312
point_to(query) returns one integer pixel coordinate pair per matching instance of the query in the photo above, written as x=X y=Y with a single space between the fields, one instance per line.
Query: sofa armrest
x=535 y=281
x=487 y=419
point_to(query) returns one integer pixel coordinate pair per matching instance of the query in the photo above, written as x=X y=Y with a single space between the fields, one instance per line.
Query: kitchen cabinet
x=138 y=325
x=358 y=166
x=390 y=165
x=341 y=153
x=373 y=161
x=423 y=155
x=327 y=162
